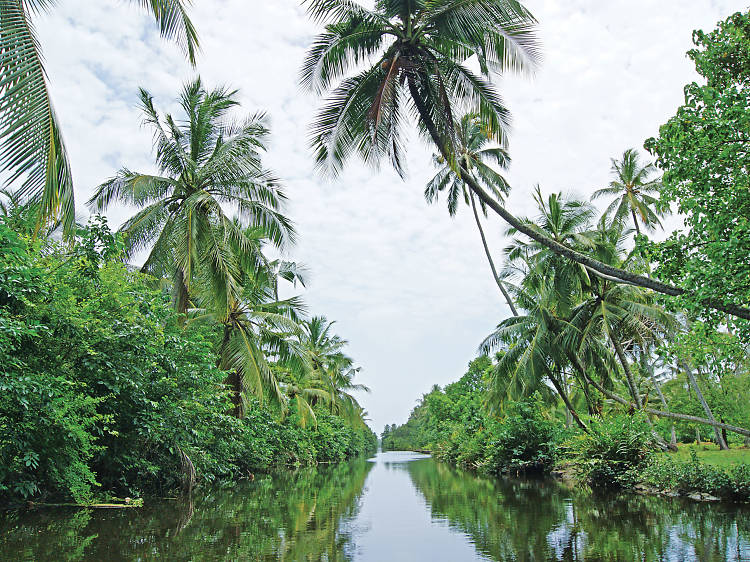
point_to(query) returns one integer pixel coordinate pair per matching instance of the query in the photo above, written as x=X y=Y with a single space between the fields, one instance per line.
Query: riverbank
x=346 y=512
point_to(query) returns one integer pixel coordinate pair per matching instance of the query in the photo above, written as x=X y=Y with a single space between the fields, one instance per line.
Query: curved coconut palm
x=633 y=189
x=472 y=150
x=407 y=56
x=32 y=150
x=206 y=161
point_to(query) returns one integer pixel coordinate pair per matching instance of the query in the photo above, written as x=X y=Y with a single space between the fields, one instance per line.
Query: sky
x=408 y=286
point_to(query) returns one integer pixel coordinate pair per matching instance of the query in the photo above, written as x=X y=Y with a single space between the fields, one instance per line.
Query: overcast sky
x=408 y=286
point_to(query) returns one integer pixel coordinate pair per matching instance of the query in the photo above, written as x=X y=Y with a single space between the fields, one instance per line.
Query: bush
x=525 y=440
x=694 y=476
x=614 y=450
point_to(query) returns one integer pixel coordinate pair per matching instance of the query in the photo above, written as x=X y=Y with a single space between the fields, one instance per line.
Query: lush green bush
x=613 y=451
x=695 y=476
x=524 y=440
x=101 y=388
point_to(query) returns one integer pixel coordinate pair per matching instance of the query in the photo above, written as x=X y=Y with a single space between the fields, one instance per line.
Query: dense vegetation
x=102 y=389
x=615 y=339
x=601 y=373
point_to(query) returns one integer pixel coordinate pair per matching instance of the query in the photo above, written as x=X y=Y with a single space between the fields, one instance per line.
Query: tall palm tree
x=32 y=150
x=407 y=56
x=633 y=188
x=258 y=328
x=472 y=149
x=205 y=161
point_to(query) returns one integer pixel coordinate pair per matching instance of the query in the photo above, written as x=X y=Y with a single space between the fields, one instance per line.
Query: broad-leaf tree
x=704 y=151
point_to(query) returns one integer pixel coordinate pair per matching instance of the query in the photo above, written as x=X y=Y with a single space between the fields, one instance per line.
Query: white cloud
x=409 y=286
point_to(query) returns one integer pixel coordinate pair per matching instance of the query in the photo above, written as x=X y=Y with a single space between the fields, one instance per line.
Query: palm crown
x=411 y=54
x=633 y=188
x=206 y=161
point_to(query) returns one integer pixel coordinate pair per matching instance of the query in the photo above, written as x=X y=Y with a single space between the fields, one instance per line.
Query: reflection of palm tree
x=475 y=156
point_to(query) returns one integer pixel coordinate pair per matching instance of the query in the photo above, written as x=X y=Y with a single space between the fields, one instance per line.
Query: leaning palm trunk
x=626 y=368
x=564 y=395
x=709 y=414
x=669 y=415
x=499 y=282
x=657 y=386
x=558 y=248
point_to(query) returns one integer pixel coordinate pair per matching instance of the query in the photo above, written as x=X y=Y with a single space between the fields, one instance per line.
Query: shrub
x=524 y=440
x=695 y=476
x=613 y=451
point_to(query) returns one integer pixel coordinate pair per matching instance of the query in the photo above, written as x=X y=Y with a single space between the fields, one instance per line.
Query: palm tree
x=566 y=221
x=258 y=328
x=532 y=352
x=333 y=370
x=205 y=161
x=617 y=312
x=633 y=188
x=408 y=56
x=471 y=147
x=31 y=144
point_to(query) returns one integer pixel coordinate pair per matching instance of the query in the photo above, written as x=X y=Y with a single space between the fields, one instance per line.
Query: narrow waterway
x=398 y=506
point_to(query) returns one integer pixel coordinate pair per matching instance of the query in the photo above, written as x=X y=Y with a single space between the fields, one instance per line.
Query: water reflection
x=402 y=507
x=301 y=515
x=528 y=519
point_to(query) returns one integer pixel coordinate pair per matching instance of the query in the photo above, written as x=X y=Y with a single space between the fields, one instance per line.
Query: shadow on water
x=402 y=507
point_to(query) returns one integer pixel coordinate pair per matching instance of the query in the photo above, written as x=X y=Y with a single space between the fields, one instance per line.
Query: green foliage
x=731 y=482
x=33 y=154
x=101 y=387
x=703 y=152
x=613 y=451
x=524 y=440
x=457 y=428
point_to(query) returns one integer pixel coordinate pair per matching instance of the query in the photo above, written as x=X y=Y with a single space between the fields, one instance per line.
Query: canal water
x=396 y=507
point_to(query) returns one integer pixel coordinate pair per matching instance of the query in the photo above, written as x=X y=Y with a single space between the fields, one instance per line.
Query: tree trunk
x=233 y=380
x=541 y=238
x=657 y=386
x=660 y=413
x=646 y=368
x=180 y=293
x=635 y=222
x=706 y=409
x=628 y=374
x=503 y=290
x=566 y=400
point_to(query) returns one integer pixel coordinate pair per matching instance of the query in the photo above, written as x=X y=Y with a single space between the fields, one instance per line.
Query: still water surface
x=398 y=506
